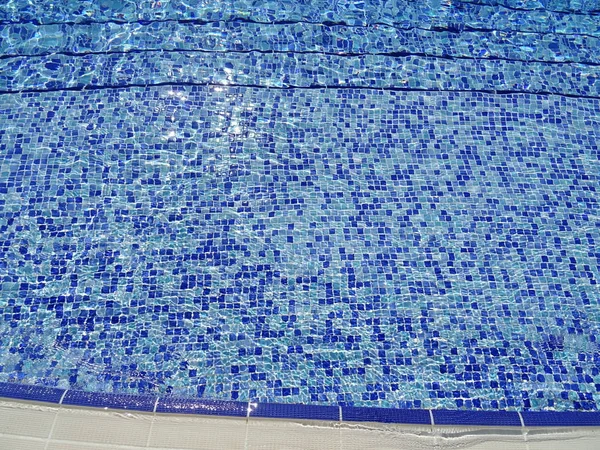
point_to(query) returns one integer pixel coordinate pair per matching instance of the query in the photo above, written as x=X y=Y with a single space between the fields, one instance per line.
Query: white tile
x=376 y=437
x=21 y=443
x=280 y=434
x=197 y=432
x=485 y=442
x=100 y=426
x=64 y=445
x=391 y=437
x=571 y=439
x=25 y=419
x=480 y=437
x=24 y=426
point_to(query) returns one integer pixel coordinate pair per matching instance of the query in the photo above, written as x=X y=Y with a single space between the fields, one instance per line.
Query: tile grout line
x=340 y=428
x=523 y=430
x=62 y=397
x=247 y=425
x=152 y=421
x=248 y=411
x=432 y=427
x=49 y=438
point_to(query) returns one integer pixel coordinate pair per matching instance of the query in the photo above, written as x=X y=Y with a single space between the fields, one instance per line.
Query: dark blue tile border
x=199 y=406
x=490 y=418
x=561 y=419
x=117 y=401
x=386 y=415
x=283 y=411
x=169 y=404
x=29 y=392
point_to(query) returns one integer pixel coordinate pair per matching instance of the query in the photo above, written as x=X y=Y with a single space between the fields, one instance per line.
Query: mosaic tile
x=115 y=401
x=30 y=39
x=551 y=418
x=295 y=70
x=235 y=208
x=352 y=247
x=435 y=14
x=30 y=392
x=281 y=411
x=357 y=414
x=203 y=407
x=478 y=418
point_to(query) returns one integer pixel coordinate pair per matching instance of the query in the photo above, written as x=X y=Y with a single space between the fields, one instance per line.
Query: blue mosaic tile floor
x=380 y=204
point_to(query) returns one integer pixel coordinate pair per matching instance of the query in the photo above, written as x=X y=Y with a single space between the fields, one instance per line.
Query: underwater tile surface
x=357 y=247
x=364 y=204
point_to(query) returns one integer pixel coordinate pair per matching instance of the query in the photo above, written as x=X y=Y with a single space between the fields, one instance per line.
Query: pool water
x=361 y=203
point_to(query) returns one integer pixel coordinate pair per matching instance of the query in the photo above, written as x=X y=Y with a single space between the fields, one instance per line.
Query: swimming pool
x=323 y=203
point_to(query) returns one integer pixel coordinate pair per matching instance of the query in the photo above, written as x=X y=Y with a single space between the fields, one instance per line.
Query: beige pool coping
x=37 y=426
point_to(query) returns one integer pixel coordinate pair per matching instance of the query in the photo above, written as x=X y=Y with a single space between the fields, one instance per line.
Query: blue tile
x=492 y=418
x=359 y=414
x=116 y=401
x=309 y=246
x=29 y=392
x=283 y=411
x=205 y=407
x=561 y=419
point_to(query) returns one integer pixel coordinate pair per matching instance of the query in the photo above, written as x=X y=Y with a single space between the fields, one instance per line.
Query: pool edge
x=169 y=404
